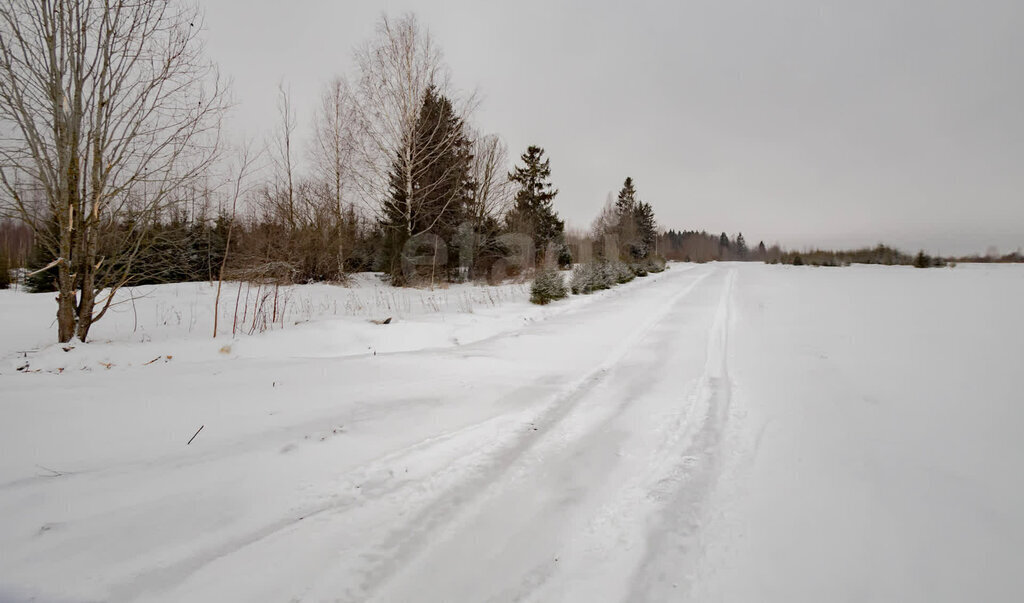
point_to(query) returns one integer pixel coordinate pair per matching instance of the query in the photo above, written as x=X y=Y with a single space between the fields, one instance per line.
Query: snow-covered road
x=715 y=432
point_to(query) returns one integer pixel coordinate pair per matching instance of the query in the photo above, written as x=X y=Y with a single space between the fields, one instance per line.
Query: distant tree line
x=694 y=246
x=886 y=256
x=880 y=254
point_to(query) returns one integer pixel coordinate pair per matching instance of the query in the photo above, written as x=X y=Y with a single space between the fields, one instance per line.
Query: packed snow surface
x=717 y=432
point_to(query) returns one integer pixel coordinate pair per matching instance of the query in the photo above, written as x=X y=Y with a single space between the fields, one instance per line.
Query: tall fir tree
x=723 y=247
x=625 y=229
x=647 y=228
x=533 y=212
x=741 y=247
x=443 y=185
x=625 y=204
x=636 y=227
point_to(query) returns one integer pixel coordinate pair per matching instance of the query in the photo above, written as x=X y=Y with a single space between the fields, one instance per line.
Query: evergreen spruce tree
x=548 y=286
x=723 y=247
x=625 y=227
x=637 y=229
x=206 y=247
x=741 y=247
x=443 y=183
x=647 y=228
x=533 y=212
x=762 y=252
x=625 y=204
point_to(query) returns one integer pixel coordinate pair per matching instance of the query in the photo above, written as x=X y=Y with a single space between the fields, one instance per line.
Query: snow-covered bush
x=604 y=275
x=614 y=273
x=582 y=279
x=622 y=273
x=655 y=264
x=649 y=265
x=587 y=278
x=547 y=287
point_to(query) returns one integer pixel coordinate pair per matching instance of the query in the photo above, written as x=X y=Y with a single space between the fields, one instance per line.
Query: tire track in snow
x=584 y=450
x=408 y=539
x=608 y=547
x=673 y=540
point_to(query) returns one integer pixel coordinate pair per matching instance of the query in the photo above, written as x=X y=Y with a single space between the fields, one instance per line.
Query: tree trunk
x=65 y=305
x=86 y=305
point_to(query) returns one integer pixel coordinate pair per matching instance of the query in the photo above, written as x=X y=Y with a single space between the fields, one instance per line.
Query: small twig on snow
x=195 y=434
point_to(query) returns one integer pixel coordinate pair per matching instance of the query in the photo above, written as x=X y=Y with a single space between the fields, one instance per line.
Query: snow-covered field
x=718 y=432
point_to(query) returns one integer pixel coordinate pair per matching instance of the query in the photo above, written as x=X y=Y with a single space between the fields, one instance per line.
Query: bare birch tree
x=395 y=71
x=107 y=109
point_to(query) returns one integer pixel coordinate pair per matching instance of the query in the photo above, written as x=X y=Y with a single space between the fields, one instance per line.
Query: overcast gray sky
x=807 y=123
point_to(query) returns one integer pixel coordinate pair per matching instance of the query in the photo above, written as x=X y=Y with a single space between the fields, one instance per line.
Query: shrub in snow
x=587 y=278
x=604 y=277
x=622 y=273
x=581 y=281
x=547 y=287
x=649 y=265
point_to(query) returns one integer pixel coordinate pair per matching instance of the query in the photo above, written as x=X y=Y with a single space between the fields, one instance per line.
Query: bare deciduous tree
x=395 y=70
x=491 y=201
x=282 y=196
x=240 y=184
x=107 y=108
x=332 y=148
x=492 y=197
x=331 y=155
